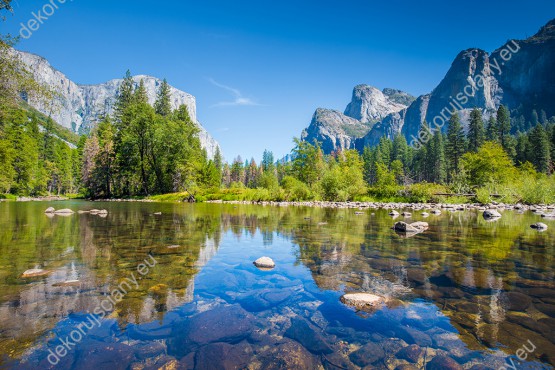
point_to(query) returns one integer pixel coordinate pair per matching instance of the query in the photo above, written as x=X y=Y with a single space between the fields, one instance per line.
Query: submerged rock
x=97 y=355
x=516 y=301
x=35 y=273
x=289 y=355
x=443 y=363
x=363 y=301
x=367 y=355
x=411 y=353
x=68 y=283
x=265 y=263
x=229 y=324
x=303 y=333
x=223 y=356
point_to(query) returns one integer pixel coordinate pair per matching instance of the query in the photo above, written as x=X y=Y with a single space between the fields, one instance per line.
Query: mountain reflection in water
x=467 y=292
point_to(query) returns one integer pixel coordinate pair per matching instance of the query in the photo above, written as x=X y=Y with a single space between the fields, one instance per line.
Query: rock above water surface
x=539 y=226
x=35 y=273
x=404 y=227
x=265 y=263
x=491 y=214
x=363 y=301
x=50 y=210
x=64 y=212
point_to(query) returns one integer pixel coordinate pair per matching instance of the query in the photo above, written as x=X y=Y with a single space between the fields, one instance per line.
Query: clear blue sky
x=259 y=69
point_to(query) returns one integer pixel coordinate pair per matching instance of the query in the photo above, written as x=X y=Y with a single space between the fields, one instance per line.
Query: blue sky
x=259 y=69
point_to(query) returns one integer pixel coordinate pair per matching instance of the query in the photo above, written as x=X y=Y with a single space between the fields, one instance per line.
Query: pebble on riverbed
x=265 y=263
x=69 y=283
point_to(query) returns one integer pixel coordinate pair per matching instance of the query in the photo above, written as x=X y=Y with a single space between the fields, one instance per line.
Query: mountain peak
x=546 y=32
x=80 y=107
x=369 y=104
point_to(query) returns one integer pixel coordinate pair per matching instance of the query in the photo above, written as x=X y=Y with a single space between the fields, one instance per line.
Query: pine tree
x=492 y=133
x=543 y=118
x=140 y=95
x=163 y=106
x=504 y=127
x=125 y=95
x=541 y=152
x=436 y=159
x=522 y=149
x=402 y=151
x=268 y=164
x=218 y=162
x=456 y=144
x=476 y=131
x=535 y=119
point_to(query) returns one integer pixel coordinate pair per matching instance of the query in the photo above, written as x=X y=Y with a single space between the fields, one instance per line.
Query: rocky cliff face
x=339 y=131
x=371 y=105
x=334 y=130
x=520 y=74
x=80 y=107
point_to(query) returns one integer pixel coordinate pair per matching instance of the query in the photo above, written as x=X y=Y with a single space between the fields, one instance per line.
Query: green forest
x=153 y=151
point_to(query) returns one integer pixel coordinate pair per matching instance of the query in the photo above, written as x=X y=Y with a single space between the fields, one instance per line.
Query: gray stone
x=367 y=355
x=265 y=263
x=443 y=363
x=223 y=356
x=310 y=338
x=229 y=324
x=539 y=226
x=490 y=214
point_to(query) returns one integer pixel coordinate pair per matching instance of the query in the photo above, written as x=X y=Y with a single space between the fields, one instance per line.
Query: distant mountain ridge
x=80 y=107
x=337 y=130
x=520 y=75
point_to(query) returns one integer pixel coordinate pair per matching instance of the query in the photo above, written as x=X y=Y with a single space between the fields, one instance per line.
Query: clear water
x=466 y=292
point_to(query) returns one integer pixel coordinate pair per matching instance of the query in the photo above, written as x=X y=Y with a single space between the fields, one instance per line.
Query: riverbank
x=360 y=205
x=393 y=205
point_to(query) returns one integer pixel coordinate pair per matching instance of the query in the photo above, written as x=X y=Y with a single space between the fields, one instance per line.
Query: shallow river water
x=178 y=290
